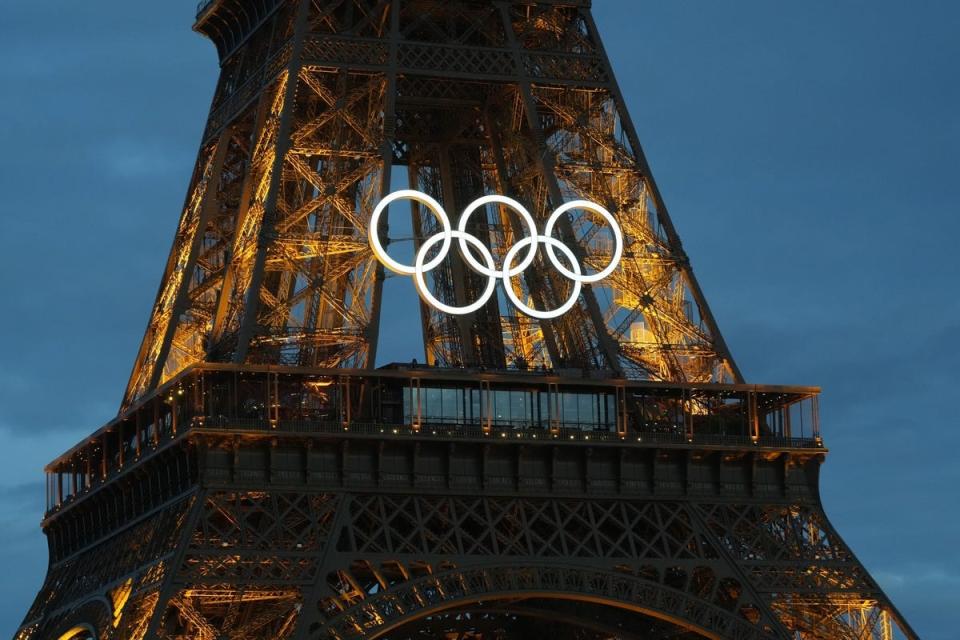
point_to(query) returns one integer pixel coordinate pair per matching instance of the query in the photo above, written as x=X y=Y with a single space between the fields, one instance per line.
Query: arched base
x=540 y=618
x=79 y=632
x=601 y=604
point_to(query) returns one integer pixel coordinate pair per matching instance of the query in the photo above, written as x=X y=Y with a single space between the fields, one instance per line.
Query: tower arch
x=504 y=587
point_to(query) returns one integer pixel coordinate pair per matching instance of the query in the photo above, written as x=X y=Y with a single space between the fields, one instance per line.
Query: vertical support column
x=754 y=418
x=273 y=398
x=346 y=401
x=486 y=408
x=886 y=629
x=182 y=298
x=465 y=325
x=621 y=406
x=120 y=456
x=416 y=402
x=545 y=163
x=198 y=390
x=104 y=447
x=386 y=153
x=815 y=410
x=156 y=421
x=138 y=425
x=553 y=406
x=174 y=410
x=149 y=338
x=416 y=220
x=531 y=276
x=222 y=304
x=252 y=300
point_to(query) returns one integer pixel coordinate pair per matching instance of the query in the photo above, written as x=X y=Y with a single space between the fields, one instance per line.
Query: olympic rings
x=524 y=215
x=487 y=267
x=618 y=240
x=421 y=283
x=434 y=207
x=577 y=279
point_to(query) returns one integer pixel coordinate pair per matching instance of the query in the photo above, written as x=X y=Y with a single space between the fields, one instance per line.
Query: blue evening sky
x=808 y=151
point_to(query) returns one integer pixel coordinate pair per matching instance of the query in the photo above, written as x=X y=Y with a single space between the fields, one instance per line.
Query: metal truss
x=253 y=487
x=358 y=532
x=318 y=101
x=234 y=562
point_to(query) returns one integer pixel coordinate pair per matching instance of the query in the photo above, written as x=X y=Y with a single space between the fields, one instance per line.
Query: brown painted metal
x=264 y=481
x=318 y=101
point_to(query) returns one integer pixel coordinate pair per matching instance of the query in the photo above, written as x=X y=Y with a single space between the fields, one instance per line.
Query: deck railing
x=438 y=404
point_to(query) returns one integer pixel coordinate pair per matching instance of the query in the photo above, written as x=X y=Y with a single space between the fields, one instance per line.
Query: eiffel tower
x=600 y=474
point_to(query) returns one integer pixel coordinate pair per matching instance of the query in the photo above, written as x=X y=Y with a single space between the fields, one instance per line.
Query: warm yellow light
x=79 y=632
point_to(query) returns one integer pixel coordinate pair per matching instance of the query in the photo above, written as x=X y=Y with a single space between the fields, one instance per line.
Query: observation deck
x=422 y=405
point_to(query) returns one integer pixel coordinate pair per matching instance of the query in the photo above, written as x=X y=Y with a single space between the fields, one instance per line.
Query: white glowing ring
x=420 y=268
x=519 y=304
x=435 y=208
x=489 y=269
x=524 y=215
x=614 y=228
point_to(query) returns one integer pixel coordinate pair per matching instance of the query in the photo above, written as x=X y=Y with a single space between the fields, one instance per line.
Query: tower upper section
x=323 y=107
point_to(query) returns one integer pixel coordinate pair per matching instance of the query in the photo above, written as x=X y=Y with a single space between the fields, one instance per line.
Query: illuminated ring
x=577 y=280
x=527 y=220
x=435 y=208
x=507 y=271
x=420 y=268
x=614 y=227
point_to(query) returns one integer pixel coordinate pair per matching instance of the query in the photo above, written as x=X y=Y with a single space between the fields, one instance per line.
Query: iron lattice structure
x=602 y=475
x=319 y=102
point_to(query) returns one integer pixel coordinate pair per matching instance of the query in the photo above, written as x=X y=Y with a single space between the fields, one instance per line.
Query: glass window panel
x=475 y=412
x=501 y=401
x=570 y=414
x=433 y=408
x=519 y=408
x=452 y=405
x=585 y=406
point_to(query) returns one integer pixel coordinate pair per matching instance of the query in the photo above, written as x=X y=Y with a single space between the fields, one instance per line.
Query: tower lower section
x=230 y=507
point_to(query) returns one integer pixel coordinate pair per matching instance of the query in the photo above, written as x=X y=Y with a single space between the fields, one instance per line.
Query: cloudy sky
x=808 y=152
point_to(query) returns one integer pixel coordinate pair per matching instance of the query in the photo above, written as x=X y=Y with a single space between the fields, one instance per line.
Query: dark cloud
x=807 y=152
